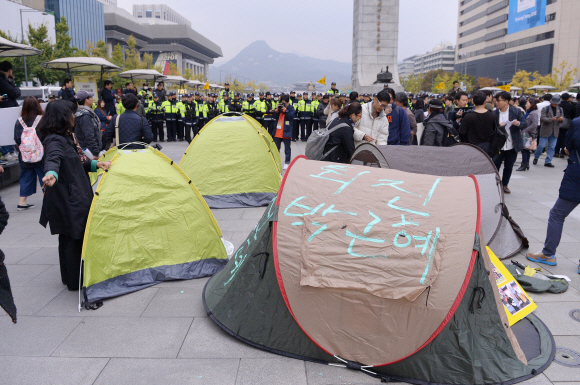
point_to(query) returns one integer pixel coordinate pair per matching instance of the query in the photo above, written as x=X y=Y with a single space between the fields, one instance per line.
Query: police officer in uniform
x=305 y=115
x=211 y=107
x=249 y=106
x=171 y=115
x=333 y=90
x=190 y=118
x=226 y=91
x=260 y=108
x=315 y=102
x=156 y=117
x=236 y=104
x=269 y=107
x=181 y=118
x=224 y=104
x=296 y=127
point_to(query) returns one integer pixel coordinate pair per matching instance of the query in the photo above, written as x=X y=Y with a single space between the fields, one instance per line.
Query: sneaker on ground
x=20 y=208
x=285 y=166
x=541 y=258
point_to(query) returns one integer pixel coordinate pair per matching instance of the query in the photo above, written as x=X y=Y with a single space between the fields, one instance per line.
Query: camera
x=280 y=107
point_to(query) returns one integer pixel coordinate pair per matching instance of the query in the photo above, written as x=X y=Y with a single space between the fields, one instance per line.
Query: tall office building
x=85 y=18
x=108 y=2
x=407 y=67
x=496 y=38
x=374 y=43
x=159 y=11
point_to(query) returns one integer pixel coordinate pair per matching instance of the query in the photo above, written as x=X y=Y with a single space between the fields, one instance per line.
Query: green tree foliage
x=412 y=83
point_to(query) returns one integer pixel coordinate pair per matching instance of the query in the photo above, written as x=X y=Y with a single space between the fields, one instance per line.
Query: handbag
x=530 y=143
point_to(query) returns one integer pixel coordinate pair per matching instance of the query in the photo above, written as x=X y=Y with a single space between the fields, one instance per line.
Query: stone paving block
x=176 y=302
x=50 y=370
x=238 y=225
x=254 y=213
x=42 y=256
x=29 y=300
x=555 y=316
x=540 y=379
x=14 y=255
x=48 y=278
x=128 y=371
x=274 y=370
x=197 y=282
x=131 y=337
x=128 y=305
x=20 y=275
x=570 y=250
x=13 y=239
x=207 y=340
x=318 y=374
x=227 y=214
x=557 y=372
x=39 y=240
x=35 y=336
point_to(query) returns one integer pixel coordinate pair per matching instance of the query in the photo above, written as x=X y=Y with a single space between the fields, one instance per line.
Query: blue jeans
x=551 y=141
x=7 y=149
x=287 y=150
x=562 y=208
x=28 y=180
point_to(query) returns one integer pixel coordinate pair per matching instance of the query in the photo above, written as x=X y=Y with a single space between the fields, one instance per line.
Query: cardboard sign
x=516 y=302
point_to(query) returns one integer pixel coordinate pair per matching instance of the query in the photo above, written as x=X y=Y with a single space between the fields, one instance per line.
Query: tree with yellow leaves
x=562 y=76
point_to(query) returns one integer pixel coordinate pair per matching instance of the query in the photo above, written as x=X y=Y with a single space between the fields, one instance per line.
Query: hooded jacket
x=7 y=87
x=435 y=127
x=378 y=127
x=88 y=129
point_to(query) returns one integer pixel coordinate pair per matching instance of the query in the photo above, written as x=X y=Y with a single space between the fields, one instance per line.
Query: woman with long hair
x=532 y=118
x=340 y=145
x=31 y=165
x=69 y=194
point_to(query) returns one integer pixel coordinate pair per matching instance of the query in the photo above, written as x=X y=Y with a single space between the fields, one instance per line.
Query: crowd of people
x=59 y=145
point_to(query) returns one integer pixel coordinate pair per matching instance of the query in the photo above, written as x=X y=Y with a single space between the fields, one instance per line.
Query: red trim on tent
x=463 y=289
x=275 y=252
x=447 y=318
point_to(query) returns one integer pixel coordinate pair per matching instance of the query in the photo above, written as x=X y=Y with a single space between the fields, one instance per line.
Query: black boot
x=524 y=167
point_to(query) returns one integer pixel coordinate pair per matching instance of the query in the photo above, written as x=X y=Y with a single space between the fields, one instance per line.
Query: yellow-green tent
x=147 y=224
x=233 y=162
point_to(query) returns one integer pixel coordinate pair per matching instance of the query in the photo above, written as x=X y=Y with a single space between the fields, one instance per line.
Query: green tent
x=147 y=224
x=233 y=162
x=370 y=269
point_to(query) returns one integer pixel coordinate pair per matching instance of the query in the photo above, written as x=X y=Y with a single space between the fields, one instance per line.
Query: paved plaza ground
x=162 y=335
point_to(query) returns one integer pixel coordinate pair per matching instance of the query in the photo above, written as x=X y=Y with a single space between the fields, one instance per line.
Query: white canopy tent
x=81 y=64
x=11 y=49
x=541 y=87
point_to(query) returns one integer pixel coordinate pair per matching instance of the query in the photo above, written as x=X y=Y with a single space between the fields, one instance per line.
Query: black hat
x=333 y=84
x=343 y=94
x=325 y=96
x=366 y=95
x=268 y=93
x=251 y=95
x=155 y=95
x=226 y=84
x=292 y=92
x=299 y=95
x=197 y=94
x=261 y=94
x=436 y=103
x=305 y=93
x=276 y=95
x=237 y=94
x=320 y=94
x=225 y=95
x=386 y=86
x=375 y=95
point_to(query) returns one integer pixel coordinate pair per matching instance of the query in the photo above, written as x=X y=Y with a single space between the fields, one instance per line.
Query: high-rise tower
x=374 y=43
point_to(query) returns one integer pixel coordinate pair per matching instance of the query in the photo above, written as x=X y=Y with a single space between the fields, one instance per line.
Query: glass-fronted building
x=85 y=18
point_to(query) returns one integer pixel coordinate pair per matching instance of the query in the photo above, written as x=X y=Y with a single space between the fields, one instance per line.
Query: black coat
x=289 y=117
x=343 y=138
x=88 y=130
x=18 y=129
x=67 y=203
x=515 y=131
x=68 y=94
x=109 y=98
x=132 y=128
x=7 y=87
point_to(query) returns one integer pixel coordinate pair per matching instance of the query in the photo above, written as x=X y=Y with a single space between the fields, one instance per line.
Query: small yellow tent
x=147 y=224
x=233 y=162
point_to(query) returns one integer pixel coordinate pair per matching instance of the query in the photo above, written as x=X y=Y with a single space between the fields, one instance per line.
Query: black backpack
x=450 y=137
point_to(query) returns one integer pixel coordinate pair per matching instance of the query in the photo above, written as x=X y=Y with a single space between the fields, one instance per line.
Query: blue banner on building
x=526 y=14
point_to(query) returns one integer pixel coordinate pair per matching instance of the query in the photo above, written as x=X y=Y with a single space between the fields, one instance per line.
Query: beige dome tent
x=503 y=235
x=369 y=268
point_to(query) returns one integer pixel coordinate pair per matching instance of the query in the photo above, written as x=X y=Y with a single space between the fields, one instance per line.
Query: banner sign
x=86 y=83
x=526 y=14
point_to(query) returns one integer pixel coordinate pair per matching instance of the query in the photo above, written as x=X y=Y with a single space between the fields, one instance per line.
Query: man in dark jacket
x=132 y=127
x=160 y=91
x=87 y=124
x=512 y=121
x=67 y=92
x=7 y=86
x=399 y=125
x=452 y=92
x=284 y=118
x=436 y=125
x=129 y=89
x=569 y=115
x=320 y=111
x=108 y=96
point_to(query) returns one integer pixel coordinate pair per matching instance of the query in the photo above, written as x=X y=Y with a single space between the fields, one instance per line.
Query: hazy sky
x=316 y=28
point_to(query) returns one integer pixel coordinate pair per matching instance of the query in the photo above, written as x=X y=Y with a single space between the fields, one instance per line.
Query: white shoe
x=285 y=166
x=13 y=156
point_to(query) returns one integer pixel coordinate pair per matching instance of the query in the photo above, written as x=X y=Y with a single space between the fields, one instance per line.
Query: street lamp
x=22 y=32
